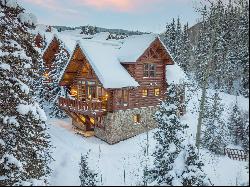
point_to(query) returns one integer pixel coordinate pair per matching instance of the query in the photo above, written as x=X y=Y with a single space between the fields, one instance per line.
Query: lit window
x=157 y=91
x=137 y=118
x=46 y=75
x=144 y=93
x=73 y=92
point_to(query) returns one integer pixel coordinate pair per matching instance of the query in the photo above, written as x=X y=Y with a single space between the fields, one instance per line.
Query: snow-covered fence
x=236 y=154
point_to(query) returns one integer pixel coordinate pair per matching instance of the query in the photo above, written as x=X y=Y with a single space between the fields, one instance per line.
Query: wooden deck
x=89 y=108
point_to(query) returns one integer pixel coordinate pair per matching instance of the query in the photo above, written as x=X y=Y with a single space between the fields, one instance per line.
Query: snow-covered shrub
x=239 y=127
x=193 y=174
x=87 y=177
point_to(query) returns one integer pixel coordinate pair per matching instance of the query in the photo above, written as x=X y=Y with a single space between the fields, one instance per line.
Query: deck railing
x=82 y=106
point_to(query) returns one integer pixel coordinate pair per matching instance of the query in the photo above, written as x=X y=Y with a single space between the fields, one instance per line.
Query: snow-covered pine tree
x=167 y=35
x=24 y=143
x=87 y=177
x=231 y=71
x=244 y=45
x=217 y=30
x=57 y=91
x=236 y=125
x=169 y=139
x=185 y=50
x=215 y=135
x=39 y=80
x=170 y=37
x=193 y=174
x=201 y=58
x=178 y=41
x=245 y=142
x=89 y=30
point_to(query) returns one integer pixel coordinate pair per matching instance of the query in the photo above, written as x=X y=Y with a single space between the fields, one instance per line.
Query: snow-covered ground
x=108 y=160
x=127 y=158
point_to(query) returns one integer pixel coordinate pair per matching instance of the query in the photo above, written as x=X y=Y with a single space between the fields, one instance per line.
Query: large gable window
x=149 y=70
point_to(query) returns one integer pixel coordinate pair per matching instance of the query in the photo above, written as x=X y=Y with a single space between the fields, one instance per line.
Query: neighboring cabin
x=52 y=48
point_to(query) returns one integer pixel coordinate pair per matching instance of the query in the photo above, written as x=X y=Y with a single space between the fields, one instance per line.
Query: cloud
x=118 y=5
x=52 y=5
x=71 y=6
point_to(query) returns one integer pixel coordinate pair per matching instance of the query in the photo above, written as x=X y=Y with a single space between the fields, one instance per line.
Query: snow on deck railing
x=82 y=106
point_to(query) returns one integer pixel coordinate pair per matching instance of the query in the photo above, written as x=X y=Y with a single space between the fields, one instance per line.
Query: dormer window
x=149 y=70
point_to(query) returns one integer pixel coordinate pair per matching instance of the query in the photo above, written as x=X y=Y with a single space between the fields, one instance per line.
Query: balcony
x=88 y=108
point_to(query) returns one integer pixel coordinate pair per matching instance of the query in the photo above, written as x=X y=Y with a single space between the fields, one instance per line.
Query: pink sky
x=118 y=5
x=146 y=15
x=114 y=5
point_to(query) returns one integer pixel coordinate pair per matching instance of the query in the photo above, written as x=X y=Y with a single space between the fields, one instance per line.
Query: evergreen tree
x=170 y=37
x=193 y=174
x=24 y=144
x=169 y=139
x=245 y=142
x=178 y=41
x=215 y=134
x=244 y=45
x=228 y=23
x=185 y=50
x=39 y=91
x=87 y=177
x=236 y=125
x=167 y=35
x=201 y=58
x=57 y=91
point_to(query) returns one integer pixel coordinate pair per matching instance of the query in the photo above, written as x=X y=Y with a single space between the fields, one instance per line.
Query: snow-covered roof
x=42 y=29
x=106 y=65
x=101 y=36
x=68 y=41
x=134 y=46
x=106 y=57
x=175 y=74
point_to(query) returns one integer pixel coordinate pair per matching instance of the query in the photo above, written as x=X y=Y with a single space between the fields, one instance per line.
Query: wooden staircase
x=82 y=127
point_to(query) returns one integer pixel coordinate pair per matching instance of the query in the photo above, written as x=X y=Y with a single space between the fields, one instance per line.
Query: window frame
x=149 y=70
x=157 y=90
x=143 y=92
x=122 y=97
x=137 y=118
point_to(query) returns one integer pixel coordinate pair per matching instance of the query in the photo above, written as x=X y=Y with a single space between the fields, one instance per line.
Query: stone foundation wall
x=120 y=125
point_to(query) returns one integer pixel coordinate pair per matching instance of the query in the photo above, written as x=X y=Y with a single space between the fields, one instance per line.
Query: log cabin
x=53 y=46
x=115 y=89
x=39 y=41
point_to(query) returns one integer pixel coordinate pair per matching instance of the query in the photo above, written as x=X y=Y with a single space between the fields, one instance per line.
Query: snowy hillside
x=110 y=161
